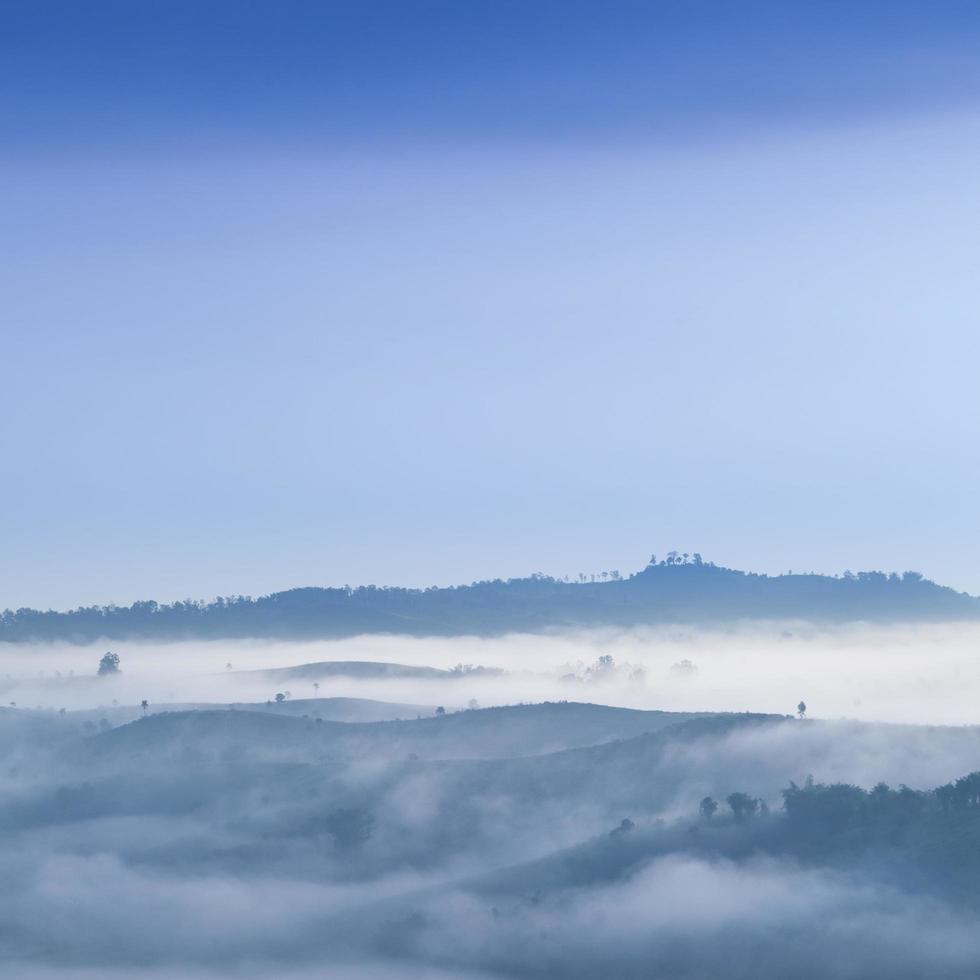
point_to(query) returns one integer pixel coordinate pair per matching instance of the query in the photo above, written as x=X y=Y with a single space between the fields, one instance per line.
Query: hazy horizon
x=419 y=584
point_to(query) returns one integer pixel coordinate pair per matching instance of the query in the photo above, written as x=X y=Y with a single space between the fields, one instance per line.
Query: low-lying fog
x=569 y=839
x=923 y=674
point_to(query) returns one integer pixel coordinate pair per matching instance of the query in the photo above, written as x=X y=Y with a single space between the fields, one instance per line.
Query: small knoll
x=363 y=670
x=354 y=710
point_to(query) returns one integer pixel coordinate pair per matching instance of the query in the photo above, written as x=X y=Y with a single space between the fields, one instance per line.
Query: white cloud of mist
x=687 y=917
x=677 y=917
x=921 y=674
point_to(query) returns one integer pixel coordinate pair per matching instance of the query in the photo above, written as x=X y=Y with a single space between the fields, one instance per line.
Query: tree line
x=838 y=807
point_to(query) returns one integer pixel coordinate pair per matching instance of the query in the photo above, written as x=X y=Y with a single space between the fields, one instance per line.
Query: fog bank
x=925 y=674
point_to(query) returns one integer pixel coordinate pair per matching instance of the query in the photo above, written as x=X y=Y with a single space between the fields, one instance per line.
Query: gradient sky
x=321 y=293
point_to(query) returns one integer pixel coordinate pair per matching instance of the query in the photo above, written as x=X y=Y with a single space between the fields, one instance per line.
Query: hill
x=363 y=670
x=677 y=590
x=484 y=734
x=329 y=709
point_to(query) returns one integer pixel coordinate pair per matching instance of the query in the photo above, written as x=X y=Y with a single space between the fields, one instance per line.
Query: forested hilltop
x=677 y=589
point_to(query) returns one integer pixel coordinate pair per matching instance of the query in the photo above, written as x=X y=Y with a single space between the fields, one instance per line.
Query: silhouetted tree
x=280 y=697
x=909 y=803
x=109 y=664
x=801 y=709
x=144 y=704
x=440 y=710
x=826 y=809
x=945 y=795
x=625 y=826
x=742 y=805
x=879 y=798
x=966 y=791
x=707 y=808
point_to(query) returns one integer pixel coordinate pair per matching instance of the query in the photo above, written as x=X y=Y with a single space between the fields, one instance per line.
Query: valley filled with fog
x=622 y=803
x=924 y=673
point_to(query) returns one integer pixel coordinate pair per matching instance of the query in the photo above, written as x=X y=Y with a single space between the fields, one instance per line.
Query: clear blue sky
x=320 y=293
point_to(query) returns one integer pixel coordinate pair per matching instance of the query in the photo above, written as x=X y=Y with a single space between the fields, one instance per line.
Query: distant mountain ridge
x=676 y=590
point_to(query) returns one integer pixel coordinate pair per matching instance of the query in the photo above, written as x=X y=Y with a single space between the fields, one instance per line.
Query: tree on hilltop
x=707 y=808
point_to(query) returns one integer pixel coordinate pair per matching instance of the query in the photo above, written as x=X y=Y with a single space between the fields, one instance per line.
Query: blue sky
x=324 y=293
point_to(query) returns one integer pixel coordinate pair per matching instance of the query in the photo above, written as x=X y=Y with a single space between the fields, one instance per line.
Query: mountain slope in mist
x=533 y=841
x=677 y=590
